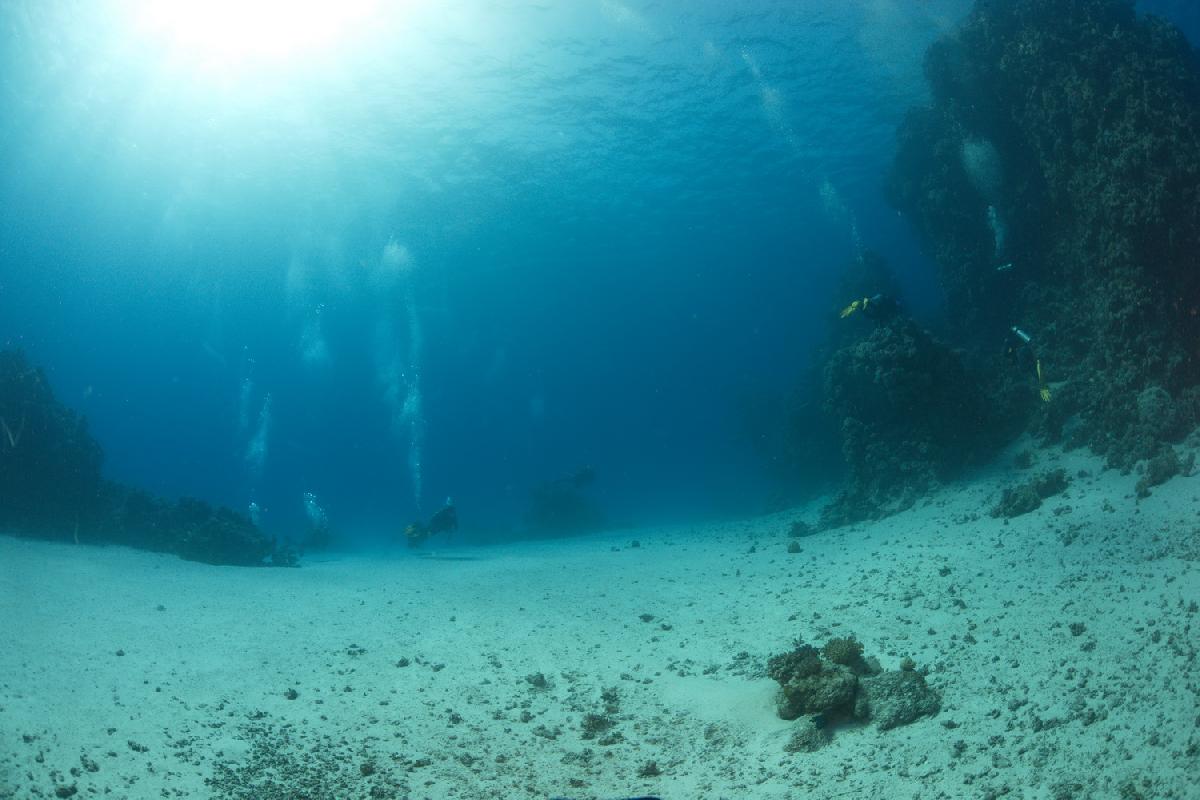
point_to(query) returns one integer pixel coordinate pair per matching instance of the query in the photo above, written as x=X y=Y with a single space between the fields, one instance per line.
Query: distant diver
x=1018 y=349
x=444 y=521
x=880 y=308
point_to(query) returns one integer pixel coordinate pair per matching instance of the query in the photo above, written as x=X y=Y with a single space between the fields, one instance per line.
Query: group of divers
x=1018 y=350
x=1018 y=345
x=318 y=536
x=882 y=309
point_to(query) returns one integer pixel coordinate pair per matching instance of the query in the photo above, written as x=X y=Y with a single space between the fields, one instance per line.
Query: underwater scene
x=599 y=399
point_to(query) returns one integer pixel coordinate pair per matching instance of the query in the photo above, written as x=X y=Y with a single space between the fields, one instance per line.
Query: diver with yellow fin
x=880 y=308
x=1018 y=349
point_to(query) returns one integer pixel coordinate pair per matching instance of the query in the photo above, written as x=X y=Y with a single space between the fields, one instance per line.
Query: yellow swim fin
x=1043 y=392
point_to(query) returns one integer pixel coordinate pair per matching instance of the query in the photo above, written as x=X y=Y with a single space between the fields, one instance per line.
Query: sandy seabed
x=1064 y=643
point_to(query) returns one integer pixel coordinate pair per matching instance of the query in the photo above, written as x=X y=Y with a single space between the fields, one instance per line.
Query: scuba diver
x=1018 y=349
x=443 y=521
x=880 y=308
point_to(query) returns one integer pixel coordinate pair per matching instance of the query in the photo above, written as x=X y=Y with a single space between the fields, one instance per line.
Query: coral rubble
x=837 y=683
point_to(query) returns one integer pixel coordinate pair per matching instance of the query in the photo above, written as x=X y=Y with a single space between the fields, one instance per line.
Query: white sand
x=1029 y=708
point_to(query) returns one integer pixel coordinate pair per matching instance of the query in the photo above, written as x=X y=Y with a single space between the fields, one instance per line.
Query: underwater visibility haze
x=463 y=248
x=786 y=322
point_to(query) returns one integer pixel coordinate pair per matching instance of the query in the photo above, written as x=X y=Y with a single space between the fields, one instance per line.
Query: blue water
x=483 y=246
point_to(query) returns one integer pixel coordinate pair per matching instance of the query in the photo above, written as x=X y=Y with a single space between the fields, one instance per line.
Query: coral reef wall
x=49 y=463
x=51 y=487
x=1055 y=179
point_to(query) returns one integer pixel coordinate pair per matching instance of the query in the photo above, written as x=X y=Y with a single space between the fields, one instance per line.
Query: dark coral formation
x=830 y=691
x=1028 y=496
x=892 y=699
x=49 y=463
x=1055 y=179
x=847 y=652
x=191 y=528
x=837 y=683
x=51 y=486
x=1165 y=465
x=219 y=536
x=911 y=414
x=807 y=736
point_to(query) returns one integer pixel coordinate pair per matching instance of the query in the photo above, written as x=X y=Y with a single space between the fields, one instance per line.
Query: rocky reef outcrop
x=911 y=413
x=51 y=486
x=837 y=683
